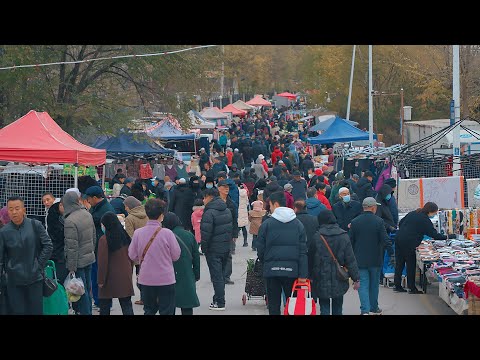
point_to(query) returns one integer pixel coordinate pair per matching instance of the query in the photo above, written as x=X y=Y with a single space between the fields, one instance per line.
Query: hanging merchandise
x=146 y=171
x=159 y=171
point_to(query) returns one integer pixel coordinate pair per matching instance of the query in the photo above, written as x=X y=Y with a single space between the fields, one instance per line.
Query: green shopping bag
x=57 y=303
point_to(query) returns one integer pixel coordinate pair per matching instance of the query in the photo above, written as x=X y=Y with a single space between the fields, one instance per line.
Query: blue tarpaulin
x=167 y=131
x=128 y=144
x=324 y=125
x=340 y=131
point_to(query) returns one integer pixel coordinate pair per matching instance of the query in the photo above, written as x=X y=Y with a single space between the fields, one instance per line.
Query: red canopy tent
x=288 y=95
x=259 y=101
x=232 y=109
x=37 y=138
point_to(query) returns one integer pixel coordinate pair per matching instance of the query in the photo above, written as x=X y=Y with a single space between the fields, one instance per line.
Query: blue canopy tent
x=340 y=131
x=167 y=131
x=128 y=144
x=324 y=125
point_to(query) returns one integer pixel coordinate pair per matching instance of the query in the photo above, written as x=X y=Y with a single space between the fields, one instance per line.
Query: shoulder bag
x=342 y=271
x=148 y=244
x=185 y=245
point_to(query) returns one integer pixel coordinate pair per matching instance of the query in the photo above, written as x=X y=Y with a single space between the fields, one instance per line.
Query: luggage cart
x=255 y=283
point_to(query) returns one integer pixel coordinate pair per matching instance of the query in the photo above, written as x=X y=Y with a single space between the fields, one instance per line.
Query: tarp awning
x=232 y=109
x=324 y=124
x=288 y=95
x=259 y=101
x=199 y=122
x=239 y=104
x=37 y=138
x=130 y=144
x=213 y=114
x=167 y=131
x=340 y=131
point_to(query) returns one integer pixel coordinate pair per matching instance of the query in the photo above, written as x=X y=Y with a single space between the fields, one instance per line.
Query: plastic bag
x=74 y=285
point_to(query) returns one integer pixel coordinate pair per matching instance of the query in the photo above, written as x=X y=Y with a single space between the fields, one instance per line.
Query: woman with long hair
x=187 y=267
x=412 y=228
x=114 y=266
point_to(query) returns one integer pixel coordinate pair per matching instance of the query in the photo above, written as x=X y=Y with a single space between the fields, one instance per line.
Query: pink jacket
x=196 y=219
x=157 y=267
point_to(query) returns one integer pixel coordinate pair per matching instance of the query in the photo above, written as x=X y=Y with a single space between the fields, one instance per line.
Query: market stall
x=36 y=139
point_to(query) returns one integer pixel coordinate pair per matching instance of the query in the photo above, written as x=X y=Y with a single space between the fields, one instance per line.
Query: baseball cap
x=297 y=173
x=129 y=180
x=202 y=149
x=287 y=186
x=272 y=178
x=155 y=178
x=94 y=191
x=222 y=183
x=369 y=201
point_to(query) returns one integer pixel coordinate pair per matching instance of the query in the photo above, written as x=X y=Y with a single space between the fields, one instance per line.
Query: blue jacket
x=217 y=167
x=314 y=206
x=392 y=205
x=233 y=193
x=293 y=150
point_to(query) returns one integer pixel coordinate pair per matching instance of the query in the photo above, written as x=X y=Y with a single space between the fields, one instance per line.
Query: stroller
x=254 y=284
x=388 y=270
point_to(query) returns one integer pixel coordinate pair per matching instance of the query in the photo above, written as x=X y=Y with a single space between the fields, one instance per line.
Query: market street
x=391 y=303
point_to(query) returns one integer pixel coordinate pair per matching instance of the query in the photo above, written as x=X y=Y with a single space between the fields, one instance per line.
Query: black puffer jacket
x=364 y=189
x=216 y=227
x=282 y=245
x=383 y=210
x=322 y=268
x=26 y=249
x=181 y=204
x=56 y=232
x=310 y=223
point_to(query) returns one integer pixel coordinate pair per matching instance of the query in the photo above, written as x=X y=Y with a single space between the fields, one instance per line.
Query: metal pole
x=76 y=176
x=351 y=83
x=370 y=97
x=456 y=99
x=103 y=177
x=223 y=74
x=401 y=116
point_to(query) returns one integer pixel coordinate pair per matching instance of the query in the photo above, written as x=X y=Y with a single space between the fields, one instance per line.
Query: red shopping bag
x=303 y=303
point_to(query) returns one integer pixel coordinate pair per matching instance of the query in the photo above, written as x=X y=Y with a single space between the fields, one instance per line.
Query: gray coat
x=80 y=235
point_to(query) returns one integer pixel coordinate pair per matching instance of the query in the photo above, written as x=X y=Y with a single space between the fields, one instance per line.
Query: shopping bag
x=302 y=303
x=57 y=303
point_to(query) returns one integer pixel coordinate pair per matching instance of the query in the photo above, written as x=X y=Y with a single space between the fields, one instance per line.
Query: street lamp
x=328 y=97
x=383 y=93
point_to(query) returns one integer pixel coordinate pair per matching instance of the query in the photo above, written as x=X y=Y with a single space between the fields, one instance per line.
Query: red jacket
x=276 y=155
x=229 y=156
x=265 y=166
x=321 y=196
x=289 y=198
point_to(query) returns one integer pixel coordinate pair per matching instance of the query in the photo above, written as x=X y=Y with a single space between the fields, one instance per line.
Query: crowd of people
x=258 y=178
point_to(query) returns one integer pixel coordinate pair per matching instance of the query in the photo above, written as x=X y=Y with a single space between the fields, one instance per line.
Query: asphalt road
x=391 y=303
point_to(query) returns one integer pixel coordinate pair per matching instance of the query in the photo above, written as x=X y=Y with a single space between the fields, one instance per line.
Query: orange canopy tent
x=288 y=95
x=232 y=109
x=259 y=101
x=37 y=138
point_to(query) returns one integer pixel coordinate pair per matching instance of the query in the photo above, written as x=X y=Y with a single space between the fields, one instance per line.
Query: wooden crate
x=473 y=305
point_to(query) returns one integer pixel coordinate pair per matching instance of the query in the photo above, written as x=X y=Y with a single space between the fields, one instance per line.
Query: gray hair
x=342 y=189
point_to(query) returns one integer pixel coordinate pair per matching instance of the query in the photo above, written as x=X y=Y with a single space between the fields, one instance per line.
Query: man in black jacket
x=56 y=232
x=369 y=240
x=310 y=222
x=383 y=210
x=224 y=190
x=216 y=230
x=25 y=248
x=364 y=186
x=346 y=210
x=282 y=249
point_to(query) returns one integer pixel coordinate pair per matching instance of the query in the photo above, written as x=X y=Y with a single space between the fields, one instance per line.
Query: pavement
x=392 y=303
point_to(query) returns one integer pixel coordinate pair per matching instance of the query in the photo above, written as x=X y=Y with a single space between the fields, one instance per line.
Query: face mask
x=153 y=183
x=103 y=229
x=346 y=198
x=388 y=197
x=209 y=186
x=310 y=176
x=432 y=216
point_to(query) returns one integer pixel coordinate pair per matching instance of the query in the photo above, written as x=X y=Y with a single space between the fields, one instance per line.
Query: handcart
x=255 y=283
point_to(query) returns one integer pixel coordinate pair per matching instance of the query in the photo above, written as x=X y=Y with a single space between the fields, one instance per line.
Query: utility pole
x=223 y=76
x=401 y=116
x=456 y=99
x=370 y=97
x=351 y=82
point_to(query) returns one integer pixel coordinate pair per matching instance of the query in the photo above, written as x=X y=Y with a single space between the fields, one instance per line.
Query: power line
x=107 y=58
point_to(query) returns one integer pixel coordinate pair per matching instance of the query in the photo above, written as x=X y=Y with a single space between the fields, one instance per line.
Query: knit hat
x=257 y=205
x=75 y=190
x=131 y=202
x=391 y=182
